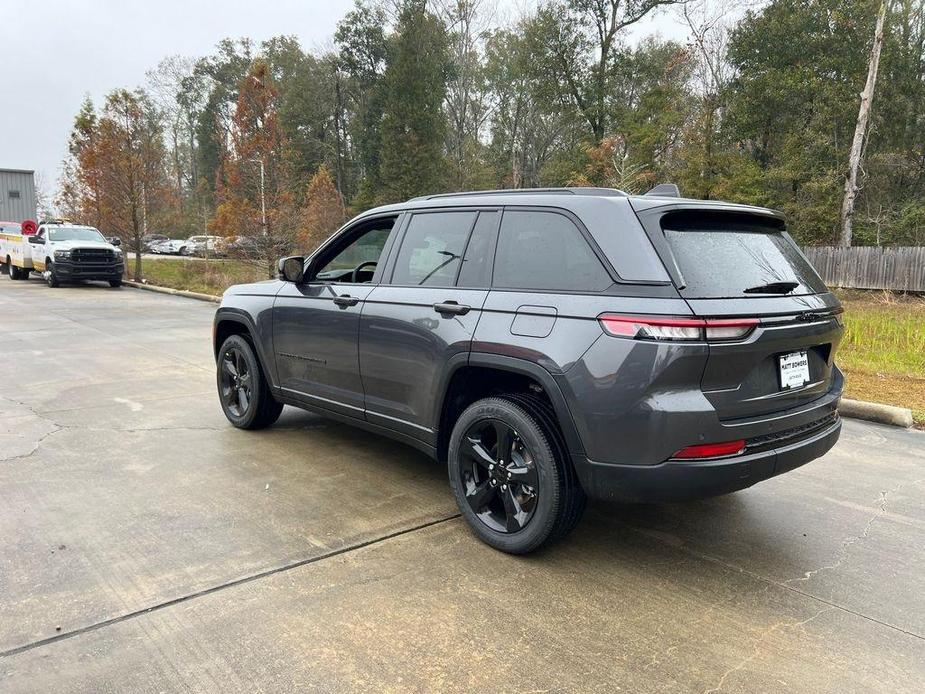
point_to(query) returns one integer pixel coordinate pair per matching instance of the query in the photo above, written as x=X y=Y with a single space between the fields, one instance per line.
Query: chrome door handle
x=451 y=308
x=345 y=300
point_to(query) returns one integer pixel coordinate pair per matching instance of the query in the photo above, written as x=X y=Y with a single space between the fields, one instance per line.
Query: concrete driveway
x=147 y=546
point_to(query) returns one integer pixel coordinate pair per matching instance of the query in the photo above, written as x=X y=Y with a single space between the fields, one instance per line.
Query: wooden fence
x=870 y=267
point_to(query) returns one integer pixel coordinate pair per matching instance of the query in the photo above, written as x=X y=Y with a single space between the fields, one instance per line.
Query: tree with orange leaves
x=255 y=202
x=323 y=212
x=116 y=176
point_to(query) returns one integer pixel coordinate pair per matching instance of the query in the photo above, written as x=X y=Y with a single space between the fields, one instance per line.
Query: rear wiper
x=773 y=288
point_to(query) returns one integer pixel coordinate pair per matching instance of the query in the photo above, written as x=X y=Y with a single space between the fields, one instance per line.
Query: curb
x=173 y=292
x=875 y=412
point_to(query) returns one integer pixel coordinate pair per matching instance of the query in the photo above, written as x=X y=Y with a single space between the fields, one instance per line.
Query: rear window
x=736 y=260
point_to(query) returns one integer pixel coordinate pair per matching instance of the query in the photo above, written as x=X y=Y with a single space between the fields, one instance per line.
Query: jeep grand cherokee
x=551 y=344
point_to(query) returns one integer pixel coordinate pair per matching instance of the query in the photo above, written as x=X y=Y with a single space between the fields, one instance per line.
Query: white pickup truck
x=63 y=253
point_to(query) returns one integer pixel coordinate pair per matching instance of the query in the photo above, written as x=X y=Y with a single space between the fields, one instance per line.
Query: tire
x=4 y=266
x=115 y=284
x=183 y=251
x=519 y=504
x=51 y=278
x=258 y=409
x=14 y=271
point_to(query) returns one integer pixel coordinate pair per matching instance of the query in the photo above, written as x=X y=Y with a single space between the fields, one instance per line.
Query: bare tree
x=860 y=131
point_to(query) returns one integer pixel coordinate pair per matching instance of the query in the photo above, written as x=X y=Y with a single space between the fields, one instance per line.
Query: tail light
x=677 y=329
x=711 y=450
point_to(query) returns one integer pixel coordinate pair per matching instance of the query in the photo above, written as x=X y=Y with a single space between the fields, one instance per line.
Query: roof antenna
x=665 y=190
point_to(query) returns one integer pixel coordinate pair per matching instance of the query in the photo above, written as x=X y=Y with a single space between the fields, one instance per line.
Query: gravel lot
x=147 y=546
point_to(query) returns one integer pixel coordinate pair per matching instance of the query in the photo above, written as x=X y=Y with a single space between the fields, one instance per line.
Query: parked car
x=65 y=252
x=549 y=345
x=203 y=245
x=168 y=246
x=149 y=241
x=256 y=245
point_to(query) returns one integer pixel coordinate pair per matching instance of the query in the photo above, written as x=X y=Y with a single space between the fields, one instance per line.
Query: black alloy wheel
x=242 y=387
x=498 y=475
x=236 y=382
x=511 y=474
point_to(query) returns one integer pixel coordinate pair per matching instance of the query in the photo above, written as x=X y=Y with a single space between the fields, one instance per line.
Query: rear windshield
x=740 y=260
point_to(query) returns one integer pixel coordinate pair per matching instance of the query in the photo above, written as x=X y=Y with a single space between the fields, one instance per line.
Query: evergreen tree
x=413 y=122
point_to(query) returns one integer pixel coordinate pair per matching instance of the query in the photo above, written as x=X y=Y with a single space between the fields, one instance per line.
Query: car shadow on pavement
x=734 y=524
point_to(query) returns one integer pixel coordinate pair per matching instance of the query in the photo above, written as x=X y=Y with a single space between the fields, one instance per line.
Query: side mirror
x=115 y=241
x=36 y=239
x=292 y=269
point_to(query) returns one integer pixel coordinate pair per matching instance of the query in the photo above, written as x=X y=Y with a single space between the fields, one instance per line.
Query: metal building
x=17 y=195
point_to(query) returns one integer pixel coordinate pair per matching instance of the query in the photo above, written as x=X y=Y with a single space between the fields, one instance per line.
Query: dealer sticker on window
x=794 y=370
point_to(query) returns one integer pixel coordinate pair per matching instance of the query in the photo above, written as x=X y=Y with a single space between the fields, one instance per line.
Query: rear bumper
x=684 y=480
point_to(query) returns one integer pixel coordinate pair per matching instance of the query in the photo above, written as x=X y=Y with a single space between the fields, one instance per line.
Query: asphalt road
x=147 y=546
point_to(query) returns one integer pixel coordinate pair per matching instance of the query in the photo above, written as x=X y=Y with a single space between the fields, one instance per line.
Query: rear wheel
x=511 y=478
x=242 y=388
x=14 y=271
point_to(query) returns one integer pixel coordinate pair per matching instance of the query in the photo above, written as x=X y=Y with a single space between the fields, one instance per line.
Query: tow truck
x=15 y=253
x=64 y=252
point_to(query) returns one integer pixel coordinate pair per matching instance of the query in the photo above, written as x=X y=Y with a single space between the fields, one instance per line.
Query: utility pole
x=263 y=217
x=860 y=132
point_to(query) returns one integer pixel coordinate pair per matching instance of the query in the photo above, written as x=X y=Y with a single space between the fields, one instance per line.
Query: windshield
x=75 y=234
x=737 y=260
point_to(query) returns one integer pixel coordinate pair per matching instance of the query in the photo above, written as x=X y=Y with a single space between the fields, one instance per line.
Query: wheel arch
x=230 y=322
x=483 y=375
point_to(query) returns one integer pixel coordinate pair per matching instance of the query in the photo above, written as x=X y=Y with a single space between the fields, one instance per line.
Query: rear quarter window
x=738 y=259
x=545 y=251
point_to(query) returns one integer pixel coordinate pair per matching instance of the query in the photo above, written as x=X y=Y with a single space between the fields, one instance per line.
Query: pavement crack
x=784 y=585
x=759 y=642
x=38 y=443
x=843 y=550
x=224 y=586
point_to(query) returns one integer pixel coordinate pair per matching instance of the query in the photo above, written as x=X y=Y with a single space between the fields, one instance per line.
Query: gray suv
x=551 y=344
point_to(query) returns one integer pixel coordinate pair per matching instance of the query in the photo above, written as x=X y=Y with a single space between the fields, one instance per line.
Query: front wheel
x=511 y=476
x=242 y=388
x=115 y=284
x=50 y=276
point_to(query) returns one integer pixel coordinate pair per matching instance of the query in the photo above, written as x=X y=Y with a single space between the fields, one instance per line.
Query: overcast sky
x=54 y=52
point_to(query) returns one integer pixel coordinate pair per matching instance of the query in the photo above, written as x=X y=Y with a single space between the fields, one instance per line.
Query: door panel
x=315 y=337
x=405 y=345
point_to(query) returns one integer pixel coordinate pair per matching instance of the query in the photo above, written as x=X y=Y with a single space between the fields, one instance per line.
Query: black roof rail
x=607 y=192
x=665 y=190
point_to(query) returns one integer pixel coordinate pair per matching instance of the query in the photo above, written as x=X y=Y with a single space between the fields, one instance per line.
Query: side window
x=363 y=254
x=431 y=251
x=476 y=266
x=545 y=251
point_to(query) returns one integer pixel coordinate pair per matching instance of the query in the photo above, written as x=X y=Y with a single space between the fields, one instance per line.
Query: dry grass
x=204 y=276
x=883 y=352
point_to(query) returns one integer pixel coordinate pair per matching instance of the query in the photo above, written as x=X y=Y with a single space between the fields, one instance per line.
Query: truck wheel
x=242 y=387
x=511 y=477
x=115 y=284
x=14 y=272
x=50 y=275
x=4 y=266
